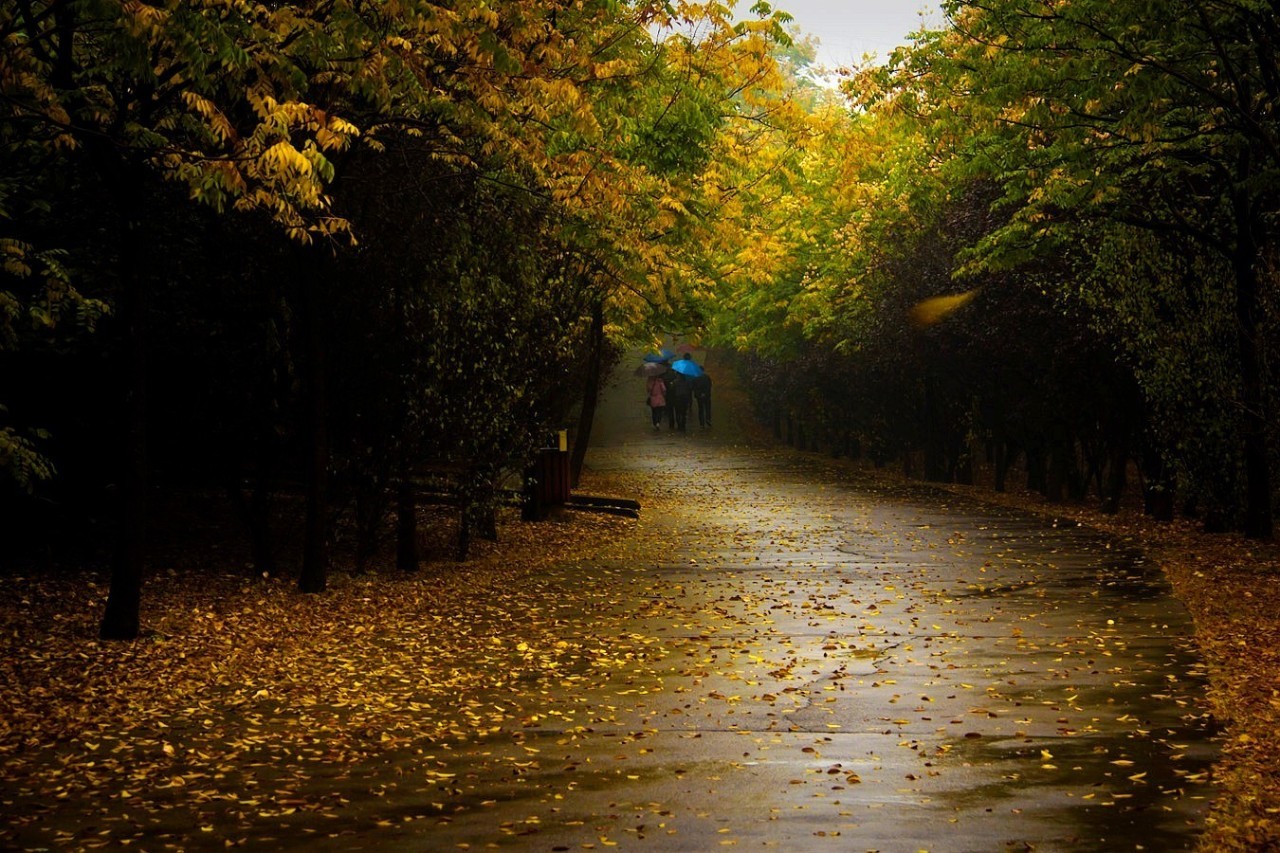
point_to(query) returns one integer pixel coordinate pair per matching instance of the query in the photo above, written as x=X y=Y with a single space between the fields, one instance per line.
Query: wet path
x=800 y=659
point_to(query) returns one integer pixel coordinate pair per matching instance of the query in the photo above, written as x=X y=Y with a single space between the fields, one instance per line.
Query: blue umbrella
x=665 y=355
x=687 y=367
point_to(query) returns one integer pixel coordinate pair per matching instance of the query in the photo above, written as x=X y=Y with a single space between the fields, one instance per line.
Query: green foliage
x=1134 y=154
x=674 y=136
x=1172 y=319
x=20 y=463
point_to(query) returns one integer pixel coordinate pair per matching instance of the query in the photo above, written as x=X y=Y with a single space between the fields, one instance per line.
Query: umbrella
x=687 y=367
x=651 y=368
x=665 y=355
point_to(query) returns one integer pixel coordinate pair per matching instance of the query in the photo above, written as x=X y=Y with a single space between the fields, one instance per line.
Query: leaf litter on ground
x=1230 y=586
x=242 y=692
x=246 y=702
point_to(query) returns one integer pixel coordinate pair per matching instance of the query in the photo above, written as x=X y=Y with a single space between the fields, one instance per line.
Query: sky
x=849 y=28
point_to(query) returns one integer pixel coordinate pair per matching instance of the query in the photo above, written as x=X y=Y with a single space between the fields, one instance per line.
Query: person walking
x=670 y=377
x=656 y=397
x=702 y=396
x=681 y=398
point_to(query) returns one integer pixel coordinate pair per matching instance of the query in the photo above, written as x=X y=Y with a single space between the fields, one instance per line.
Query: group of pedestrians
x=671 y=393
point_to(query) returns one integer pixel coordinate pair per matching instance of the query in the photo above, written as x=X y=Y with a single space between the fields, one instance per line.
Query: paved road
x=802 y=659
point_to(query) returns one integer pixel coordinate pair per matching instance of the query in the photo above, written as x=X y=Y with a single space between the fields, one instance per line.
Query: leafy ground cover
x=242 y=689
x=1230 y=585
x=140 y=731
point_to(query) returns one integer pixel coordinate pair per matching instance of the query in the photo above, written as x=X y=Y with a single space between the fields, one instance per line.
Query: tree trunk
x=120 y=620
x=255 y=511
x=590 y=395
x=315 y=548
x=406 y=523
x=964 y=461
x=935 y=468
x=261 y=542
x=1055 y=483
x=1077 y=480
x=1255 y=417
x=1158 y=490
x=366 y=545
x=1061 y=461
x=484 y=521
x=408 y=448
x=464 y=533
x=1001 y=459
x=1037 y=469
x=487 y=523
x=1117 y=469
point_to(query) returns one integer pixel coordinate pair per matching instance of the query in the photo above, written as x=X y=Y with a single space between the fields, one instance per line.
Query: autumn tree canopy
x=1034 y=190
x=411 y=210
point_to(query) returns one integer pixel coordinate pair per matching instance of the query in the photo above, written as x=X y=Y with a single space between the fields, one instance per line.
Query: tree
x=260 y=115
x=1099 y=112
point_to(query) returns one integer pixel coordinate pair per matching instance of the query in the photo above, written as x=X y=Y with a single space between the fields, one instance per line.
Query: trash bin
x=553 y=476
x=546 y=483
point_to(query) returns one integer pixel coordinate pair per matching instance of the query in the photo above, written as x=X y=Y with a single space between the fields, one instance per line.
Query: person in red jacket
x=657 y=399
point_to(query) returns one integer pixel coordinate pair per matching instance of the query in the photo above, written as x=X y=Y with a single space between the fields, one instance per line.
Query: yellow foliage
x=935 y=310
x=218 y=124
x=283 y=157
x=14 y=254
